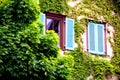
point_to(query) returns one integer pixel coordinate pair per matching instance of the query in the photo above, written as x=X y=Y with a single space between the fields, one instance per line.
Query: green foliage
x=30 y=53
x=19 y=12
x=48 y=44
x=79 y=29
x=82 y=67
x=117 y=4
x=85 y=65
x=58 y=6
x=52 y=68
x=116 y=62
x=1 y=1
x=64 y=69
x=101 y=68
x=25 y=54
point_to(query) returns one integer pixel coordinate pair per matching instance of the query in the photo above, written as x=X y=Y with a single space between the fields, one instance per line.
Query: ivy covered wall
x=80 y=10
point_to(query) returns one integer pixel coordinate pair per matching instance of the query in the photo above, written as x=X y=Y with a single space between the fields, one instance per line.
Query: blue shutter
x=91 y=38
x=96 y=38
x=42 y=19
x=101 y=46
x=69 y=43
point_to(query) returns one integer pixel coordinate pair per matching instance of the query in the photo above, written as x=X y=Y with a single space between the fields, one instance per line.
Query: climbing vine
x=57 y=6
x=103 y=10
x=96 y=10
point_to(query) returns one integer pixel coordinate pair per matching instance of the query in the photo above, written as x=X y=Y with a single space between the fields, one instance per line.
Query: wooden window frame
x=61 y=18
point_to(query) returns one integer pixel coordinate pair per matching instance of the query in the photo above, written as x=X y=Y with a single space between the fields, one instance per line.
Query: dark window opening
x=53 y=25
x=56 y=22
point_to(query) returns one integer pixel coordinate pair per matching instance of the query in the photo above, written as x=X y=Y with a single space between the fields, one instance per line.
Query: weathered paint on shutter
x=42 y=19
x=101 y=46
x=91 y=37
x=69 y=43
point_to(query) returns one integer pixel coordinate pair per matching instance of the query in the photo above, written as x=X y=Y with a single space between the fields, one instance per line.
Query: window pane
x=56 y=26
x=49 y=24
x=53 y=25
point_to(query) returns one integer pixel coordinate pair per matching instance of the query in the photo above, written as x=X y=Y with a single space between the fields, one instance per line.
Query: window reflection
x=53 y=25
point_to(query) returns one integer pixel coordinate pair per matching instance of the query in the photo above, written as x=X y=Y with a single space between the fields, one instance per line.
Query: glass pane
x=49 y=24
x=56 y=26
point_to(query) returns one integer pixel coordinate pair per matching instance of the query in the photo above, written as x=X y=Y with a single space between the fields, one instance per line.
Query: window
x=63 y=26
x=96 y=38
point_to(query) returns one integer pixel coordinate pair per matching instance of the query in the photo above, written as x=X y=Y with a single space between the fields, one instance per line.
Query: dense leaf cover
x=25 y=53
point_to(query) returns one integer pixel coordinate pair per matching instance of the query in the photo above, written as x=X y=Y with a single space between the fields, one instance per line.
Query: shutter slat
x=69 y=34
